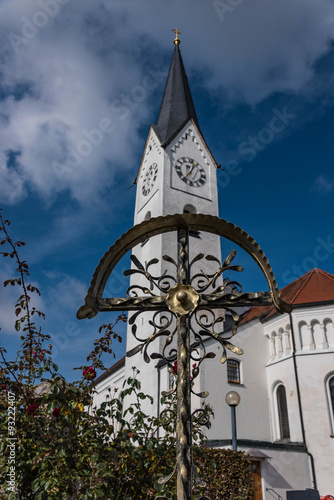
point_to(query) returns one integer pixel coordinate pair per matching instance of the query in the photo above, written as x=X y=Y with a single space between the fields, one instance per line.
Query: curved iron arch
x=164 y=224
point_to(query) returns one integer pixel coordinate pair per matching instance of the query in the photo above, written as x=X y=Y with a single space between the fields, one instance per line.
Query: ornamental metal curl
x=203 y=322
x=161 y=327
x=205 y=281
x=181 y=309
x=160 y=282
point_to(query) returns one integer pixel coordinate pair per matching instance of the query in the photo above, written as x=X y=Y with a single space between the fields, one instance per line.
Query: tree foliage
x=56 y=445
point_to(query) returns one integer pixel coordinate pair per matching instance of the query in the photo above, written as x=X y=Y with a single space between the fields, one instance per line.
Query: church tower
x=177 y=168
x=177 y=174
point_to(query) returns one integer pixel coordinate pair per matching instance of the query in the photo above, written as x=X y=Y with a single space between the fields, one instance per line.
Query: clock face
x=149 y=179
x=190 y=171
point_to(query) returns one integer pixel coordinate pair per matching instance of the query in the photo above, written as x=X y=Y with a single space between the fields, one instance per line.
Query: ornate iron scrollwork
x=185 y=299
x=182 y=307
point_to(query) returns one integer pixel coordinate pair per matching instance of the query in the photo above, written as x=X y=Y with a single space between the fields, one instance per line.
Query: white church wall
x=148 y=204
x=314 y=368
x=203 y=199
x=109 y=388
x=314 y=330
x=318 y=428
x=110 y=385
x=280 y=370
x=188 y=143
x=152 y=200
x=314 y=362
x=285 y=470
x=253 y=422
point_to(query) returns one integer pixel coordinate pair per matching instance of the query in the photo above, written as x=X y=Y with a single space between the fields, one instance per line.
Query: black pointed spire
x=177 y=106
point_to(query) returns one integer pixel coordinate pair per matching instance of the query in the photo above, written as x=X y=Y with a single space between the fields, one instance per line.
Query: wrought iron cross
x=187 y=302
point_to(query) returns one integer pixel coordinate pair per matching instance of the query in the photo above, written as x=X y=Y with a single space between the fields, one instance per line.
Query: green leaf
x=35 y=485
x=46 y=485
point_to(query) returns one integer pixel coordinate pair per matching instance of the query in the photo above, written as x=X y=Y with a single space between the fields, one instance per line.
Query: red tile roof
x=314 y=286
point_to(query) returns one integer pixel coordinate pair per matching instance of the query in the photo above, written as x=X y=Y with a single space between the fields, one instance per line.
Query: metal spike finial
x=177 y=33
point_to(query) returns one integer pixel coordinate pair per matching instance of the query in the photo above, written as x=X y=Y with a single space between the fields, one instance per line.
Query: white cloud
x=63 y=75
x=64 y=292
x=260 y=47
x=322 y=185
x=69 y=93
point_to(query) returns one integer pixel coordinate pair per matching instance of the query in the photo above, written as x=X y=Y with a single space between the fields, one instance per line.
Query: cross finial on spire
x=177 y=33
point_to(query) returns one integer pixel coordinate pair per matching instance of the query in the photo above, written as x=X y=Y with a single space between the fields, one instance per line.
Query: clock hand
x=192 y=168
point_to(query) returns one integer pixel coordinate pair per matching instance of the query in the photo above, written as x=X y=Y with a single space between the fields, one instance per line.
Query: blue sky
x=80 y=84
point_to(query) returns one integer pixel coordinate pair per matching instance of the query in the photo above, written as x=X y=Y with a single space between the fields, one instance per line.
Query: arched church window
x=190 y=209
x=282 y=410
x=233 y=371
x=330 y=389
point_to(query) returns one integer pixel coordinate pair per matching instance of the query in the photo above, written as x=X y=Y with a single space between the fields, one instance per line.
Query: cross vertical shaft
x=183 y=420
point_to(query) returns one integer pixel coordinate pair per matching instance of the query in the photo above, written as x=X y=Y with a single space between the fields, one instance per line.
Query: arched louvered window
x=282 y=409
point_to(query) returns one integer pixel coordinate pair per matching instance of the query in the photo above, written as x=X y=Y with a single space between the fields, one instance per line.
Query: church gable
x=149 y=178
x=193 y=168
x=190 y=133
x=152 y=148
